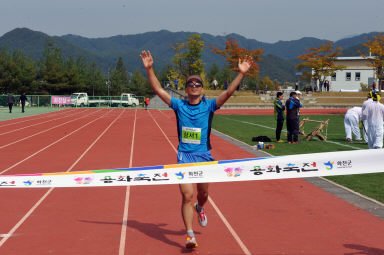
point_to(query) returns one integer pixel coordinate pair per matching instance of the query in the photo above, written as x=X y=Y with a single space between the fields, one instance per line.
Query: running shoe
x=201 y=216
x=191 y=242
x=280 y=141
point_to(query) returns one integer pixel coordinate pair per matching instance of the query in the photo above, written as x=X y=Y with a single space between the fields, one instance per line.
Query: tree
x=233 y=53
x=187 y=59
x=318 y=63
x=119 y=78
x=376 y=48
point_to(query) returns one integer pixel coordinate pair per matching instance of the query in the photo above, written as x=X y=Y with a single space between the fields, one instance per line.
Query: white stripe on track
x=25 y=217
x=46 y=147
x=226 y=223
x=38 y=133
x=30 y=119
x=124 y=226
x=36 y=124
x=327 y=141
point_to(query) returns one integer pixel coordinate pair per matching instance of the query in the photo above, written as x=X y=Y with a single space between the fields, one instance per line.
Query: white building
x=357 y=71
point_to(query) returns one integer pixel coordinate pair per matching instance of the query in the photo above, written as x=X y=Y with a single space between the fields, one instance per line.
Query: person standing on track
x=194 y=117
x=279 y=115
x=293 y=105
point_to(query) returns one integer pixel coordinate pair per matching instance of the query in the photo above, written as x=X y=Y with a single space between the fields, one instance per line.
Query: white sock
x=190 y=233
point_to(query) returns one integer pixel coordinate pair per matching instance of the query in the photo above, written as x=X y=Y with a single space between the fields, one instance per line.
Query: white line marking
x=231 y=230
x=25 y=217
x=38 y=133
x=325 y=179
x=29 y=119
x=46 y=147
x=327 y=141
x=124 y=226
x=226 y=223
x=15 y=130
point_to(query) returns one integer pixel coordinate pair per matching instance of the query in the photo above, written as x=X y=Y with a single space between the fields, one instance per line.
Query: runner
x=194 y=117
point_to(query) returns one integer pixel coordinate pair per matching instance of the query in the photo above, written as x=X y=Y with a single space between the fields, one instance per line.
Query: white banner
x=293 y=166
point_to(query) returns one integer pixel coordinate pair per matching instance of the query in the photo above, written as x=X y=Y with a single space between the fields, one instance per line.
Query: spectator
x=279 y=115
x=214 y=83
x=146 y=103
x=10 y=101
x=292 y=105
x=328 y=85
x=351 y=123
x=374 y=114
x=23 y=98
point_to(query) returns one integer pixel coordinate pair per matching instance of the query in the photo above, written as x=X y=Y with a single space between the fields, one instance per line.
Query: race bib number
x=191 y=135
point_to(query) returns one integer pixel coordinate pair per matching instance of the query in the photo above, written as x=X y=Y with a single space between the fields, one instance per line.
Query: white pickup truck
x=126 y=100
x=81 y=100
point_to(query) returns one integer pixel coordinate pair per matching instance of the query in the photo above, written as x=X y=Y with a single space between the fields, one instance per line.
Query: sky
x=263 y=20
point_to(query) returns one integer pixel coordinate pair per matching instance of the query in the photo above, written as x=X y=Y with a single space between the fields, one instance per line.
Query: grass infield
x=244 y=127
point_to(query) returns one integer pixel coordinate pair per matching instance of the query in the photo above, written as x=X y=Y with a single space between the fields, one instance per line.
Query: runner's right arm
x=147 y=59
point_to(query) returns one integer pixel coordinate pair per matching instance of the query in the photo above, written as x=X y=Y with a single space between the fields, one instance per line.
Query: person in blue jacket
x=279 y=115
x=194 y=118
x=293 y=105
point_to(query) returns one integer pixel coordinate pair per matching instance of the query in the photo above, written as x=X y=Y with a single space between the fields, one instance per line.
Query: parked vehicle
x=126 y=100
x=82 y=99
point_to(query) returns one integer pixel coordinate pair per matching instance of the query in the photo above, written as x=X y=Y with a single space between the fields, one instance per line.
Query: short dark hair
x=279 y=94
x=292 y=94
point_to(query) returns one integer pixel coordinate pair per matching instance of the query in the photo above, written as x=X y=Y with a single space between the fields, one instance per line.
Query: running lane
x=19 y=201
x=269 y=217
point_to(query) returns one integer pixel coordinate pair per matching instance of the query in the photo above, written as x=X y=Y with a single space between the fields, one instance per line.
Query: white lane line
x=25 y=217
x=226 y=223
x=30 y=119
x=231 y=230
x=36 y=124
x=124 y=226
x=46 y=147
x=327 y=141
x=46 y=130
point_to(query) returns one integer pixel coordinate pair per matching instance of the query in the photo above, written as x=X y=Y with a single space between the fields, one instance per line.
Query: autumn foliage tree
x=376 y=49
x=319 y=63
x=233 y=52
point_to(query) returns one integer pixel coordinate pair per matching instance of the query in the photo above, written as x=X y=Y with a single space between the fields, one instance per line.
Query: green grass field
x=244 y=127
x=16 y=112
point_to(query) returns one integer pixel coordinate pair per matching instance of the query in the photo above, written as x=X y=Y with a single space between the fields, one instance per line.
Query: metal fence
x=65 y=101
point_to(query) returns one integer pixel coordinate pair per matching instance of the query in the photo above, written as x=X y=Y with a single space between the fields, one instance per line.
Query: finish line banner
x=293 y=166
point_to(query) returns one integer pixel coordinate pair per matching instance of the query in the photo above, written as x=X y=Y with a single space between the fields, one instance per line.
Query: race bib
x=191 y=135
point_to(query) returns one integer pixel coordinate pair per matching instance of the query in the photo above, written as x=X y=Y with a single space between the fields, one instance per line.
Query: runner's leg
x=187 y=204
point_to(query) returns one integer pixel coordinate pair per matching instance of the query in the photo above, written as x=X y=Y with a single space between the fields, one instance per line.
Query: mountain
x=278 y=58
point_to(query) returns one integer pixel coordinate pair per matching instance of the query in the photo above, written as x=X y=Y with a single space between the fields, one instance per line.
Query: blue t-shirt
x=194 y=124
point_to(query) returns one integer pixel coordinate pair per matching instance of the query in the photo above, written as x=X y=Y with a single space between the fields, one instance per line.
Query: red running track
x=261 y=217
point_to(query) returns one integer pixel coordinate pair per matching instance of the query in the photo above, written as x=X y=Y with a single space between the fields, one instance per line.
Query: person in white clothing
x=373 y=113
x=351 y=123
x=364 y=121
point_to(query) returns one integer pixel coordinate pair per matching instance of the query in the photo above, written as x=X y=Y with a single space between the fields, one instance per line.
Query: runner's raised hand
x=147 y=59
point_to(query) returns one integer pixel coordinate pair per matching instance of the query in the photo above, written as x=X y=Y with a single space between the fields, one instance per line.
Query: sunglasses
x=197 y=84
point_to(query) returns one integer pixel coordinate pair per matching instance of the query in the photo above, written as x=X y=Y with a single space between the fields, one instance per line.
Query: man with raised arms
x=194 y=118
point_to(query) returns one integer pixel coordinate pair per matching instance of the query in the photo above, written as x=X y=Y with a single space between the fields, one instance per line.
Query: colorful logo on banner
x=180 y=175
x=295 y=166
x=233 y=172
x=329 y=165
